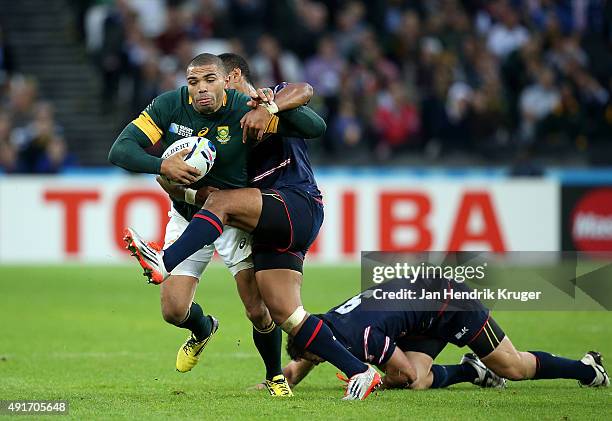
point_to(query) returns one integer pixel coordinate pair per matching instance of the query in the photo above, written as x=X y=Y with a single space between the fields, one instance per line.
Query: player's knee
x=214 y=203
x=258 y=315
x=511 y=368
x=419 y=384
x=289 y=322
x=174 y=315
x=511 y=372
x=279 y=314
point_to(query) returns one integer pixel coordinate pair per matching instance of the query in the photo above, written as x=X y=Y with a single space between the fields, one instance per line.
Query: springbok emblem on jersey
x=223 y=135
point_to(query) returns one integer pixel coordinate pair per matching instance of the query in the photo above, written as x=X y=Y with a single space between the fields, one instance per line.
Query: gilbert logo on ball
x=202 y=153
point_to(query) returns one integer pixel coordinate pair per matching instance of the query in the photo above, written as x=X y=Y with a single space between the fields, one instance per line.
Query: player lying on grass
x=284 y=211
x=205 y=107
x=404 y=337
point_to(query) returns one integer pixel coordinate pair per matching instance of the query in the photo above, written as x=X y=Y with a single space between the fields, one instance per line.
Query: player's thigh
x=234 y=247
x=195 y=264
x=280 y=290
x=239 y=208
x=290 y=221
x=178 y=290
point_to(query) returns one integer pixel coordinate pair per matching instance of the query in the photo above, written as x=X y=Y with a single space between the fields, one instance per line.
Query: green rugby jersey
x=171 y=117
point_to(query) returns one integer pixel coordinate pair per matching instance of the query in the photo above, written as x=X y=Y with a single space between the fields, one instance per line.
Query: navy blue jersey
x=279 y=162
x=369 y=328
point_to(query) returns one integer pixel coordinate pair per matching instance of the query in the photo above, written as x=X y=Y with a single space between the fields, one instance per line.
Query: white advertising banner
x=61 y=219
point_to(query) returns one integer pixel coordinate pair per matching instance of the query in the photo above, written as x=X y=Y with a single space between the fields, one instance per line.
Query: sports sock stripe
x=266 y=329
x=314 y=334
x=209 y=219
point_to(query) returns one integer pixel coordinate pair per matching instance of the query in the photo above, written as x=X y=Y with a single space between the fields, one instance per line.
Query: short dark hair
x=294 y=350
x=206 y=59
x=233 y=61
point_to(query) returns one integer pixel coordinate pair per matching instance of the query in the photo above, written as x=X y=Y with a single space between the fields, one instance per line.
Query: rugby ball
x=202 y=153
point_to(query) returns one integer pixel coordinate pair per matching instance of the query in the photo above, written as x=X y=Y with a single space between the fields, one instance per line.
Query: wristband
x=270 y=106
x=190 y=196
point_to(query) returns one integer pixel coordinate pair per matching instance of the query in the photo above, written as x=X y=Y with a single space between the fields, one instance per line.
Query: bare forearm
x=395 y=382
x=185 y=194
x=293 y=95
x=295 y=371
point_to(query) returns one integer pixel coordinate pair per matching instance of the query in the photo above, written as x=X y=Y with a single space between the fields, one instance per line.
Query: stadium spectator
x=273 y=65
x=347 y=132
x=350 y=25
x=396 y=121
x=175 y=32
x=8 y=157
x=473 y=68
x=324 y=71
x=111 y=56
x=507 y=35
x=311 y=27
x=250 y=16
x=538 y=101
x=6 y=61
x=210 y=19
x=40 y=146
x=22 y=96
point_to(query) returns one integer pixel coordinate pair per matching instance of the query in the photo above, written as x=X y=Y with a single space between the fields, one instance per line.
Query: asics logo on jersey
x=242 y=243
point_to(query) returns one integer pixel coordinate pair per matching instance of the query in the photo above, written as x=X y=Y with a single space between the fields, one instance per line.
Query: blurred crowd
x=499 y=80
x=31 y=141
x=495 y=78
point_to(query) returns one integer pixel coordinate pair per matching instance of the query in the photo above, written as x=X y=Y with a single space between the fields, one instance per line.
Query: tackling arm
x=399 y=371
x=295 y=371
x=294 y=119
x=286 y=97
x=300 y=122
x=185 y=194
x=293 y=95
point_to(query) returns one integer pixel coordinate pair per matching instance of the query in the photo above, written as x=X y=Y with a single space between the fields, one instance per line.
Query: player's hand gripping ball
x=202 y=153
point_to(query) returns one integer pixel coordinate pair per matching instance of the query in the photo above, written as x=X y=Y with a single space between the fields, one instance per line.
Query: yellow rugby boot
x=278 y=386
x=189 y=353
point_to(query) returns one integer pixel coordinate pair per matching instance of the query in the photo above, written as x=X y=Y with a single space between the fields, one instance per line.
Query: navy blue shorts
x=289 y=223
x=467 y=323
x=423 y=344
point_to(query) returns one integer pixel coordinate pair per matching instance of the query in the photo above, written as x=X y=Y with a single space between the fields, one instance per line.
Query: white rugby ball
x=202 y=153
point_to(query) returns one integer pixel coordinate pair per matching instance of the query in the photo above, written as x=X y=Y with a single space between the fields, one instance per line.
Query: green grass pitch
x=94 y=336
